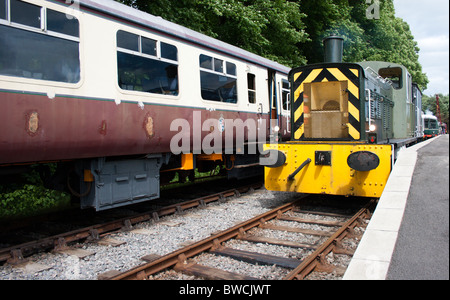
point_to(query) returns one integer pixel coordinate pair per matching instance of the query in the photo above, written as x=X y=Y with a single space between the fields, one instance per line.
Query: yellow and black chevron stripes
x=343 y=72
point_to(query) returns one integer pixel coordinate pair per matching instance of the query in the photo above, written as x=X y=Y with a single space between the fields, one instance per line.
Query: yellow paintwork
x=337 y=179
x=187 y=161
x=88 y=177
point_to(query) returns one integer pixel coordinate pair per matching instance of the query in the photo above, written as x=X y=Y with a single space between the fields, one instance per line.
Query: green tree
x=327 y=17
x=386 y=38
x=291 y=32
x=272 y=29
x=390 y=39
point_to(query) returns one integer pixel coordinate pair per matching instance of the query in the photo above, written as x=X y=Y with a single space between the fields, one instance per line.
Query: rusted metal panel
x=34 y=128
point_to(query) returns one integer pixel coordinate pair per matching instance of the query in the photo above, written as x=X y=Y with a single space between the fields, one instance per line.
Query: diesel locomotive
x=348 y=122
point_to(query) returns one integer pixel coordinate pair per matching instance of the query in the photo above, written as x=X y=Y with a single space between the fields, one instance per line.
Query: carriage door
x=275 y=123
x=285 y=105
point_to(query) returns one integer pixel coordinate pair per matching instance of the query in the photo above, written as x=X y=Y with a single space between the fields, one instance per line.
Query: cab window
x=395 y=75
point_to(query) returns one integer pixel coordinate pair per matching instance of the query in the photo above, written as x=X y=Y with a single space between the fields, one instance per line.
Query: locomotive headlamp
x=276 y=128
x=372 y=128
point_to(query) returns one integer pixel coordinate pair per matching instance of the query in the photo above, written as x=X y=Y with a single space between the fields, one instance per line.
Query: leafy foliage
x=272 y=29
x=29 y=197
x=291 y=32
x=385 y=39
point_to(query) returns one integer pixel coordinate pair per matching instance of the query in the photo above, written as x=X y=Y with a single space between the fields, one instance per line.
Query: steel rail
x=180 y=256
x=317 y=258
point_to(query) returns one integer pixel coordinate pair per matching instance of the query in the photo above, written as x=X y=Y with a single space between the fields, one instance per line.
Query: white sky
x=429 y=23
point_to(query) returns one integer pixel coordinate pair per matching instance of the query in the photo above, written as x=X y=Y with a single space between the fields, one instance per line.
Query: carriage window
x=148 y=46
x=218 y=65
x=25 y=13
x=39 y=54
x=169 y=51
x=251 y=88
x=434 y=124
x=231 y=69
x=216 y=85
x=3 y=9
x=127 y=40
x=206 y=62
x=144 y=68
x=285 y=93
x=58 y=22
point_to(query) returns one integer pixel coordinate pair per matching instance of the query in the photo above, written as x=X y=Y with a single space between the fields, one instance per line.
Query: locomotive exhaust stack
x=334 y=49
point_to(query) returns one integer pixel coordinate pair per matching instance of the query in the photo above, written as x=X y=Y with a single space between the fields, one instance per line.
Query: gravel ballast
x=176 y=231
x=167 y=235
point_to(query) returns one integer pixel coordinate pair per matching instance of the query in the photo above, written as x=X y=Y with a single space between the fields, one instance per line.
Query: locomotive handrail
x=306 y=162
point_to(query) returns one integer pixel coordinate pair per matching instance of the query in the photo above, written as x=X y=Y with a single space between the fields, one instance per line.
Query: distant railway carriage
x=96 y=85
x=431 y=126
x=348 y=122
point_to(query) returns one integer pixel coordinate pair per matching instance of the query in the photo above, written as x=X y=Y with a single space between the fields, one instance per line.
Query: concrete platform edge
x=373 y=256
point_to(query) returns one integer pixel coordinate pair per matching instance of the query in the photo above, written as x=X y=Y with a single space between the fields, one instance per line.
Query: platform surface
x=408 y=235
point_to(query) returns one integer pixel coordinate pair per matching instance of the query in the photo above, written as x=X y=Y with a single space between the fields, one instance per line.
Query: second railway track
x=15 y=254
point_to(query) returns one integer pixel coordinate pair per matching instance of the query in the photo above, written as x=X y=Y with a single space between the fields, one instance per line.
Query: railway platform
x=408 y=235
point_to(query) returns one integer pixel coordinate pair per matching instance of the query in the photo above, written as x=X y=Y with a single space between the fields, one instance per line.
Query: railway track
x=17 y=254
x=188 y=260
